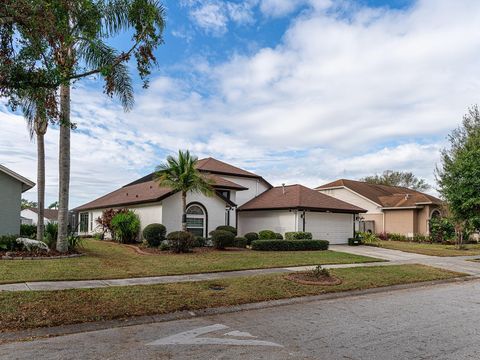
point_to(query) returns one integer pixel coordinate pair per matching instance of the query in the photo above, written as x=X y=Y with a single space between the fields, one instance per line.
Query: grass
x=30 y=309
x=431 y=249
x=106 y=260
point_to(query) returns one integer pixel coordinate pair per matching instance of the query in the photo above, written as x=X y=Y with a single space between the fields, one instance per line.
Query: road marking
x=191 y=337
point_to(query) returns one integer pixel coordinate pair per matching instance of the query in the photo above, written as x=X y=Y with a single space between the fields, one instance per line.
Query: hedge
x=240 y=242
x=298 y=235
x=154 y=234
x=289 y=245
x=232 y=229
x=251 y=236
x=267 y=235
x=222 y=238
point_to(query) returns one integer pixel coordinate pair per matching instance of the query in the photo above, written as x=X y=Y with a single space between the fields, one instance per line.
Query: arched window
x=435 y=214
x=196 y=220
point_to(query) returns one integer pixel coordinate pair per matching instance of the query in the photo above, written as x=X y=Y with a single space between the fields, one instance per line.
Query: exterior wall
x=10 y=199
x=377 y=218
x=148 y=214
x=280 y=221
x=172 y=214
x=32 y=215
x=401 y=221
x=255 y=188
x=351 y=197
x=334 y=227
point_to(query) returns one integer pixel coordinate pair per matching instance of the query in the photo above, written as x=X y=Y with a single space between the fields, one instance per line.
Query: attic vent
x=151 y=186
x=407 y=196
x=136 y=196
x=283 y=188
x=127 y=193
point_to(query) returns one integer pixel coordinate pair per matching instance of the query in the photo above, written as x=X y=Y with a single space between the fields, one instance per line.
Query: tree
x=53 y=205
x=25 y=204
x=398 y=178
x=458 y=175
x=181 y=175
x=33 y=106
x=50 y=44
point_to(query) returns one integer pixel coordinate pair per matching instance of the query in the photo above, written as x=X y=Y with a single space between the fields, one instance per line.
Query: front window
x=196 y=219
x=84 y=222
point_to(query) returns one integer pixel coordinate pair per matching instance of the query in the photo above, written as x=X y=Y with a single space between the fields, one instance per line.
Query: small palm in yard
x=180 y=174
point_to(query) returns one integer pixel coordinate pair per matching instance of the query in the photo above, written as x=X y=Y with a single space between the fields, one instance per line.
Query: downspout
x=383 y=217
x=303 y=221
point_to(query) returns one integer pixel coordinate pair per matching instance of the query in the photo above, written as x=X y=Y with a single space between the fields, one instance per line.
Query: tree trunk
x=64 y=168
x=184 y=208
x=40 y=181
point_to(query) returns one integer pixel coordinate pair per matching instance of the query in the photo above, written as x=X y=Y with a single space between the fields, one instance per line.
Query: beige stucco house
x=390 y=209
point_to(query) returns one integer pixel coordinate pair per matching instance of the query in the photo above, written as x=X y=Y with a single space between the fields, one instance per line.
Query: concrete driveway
x=379 y=253
x=435 y=322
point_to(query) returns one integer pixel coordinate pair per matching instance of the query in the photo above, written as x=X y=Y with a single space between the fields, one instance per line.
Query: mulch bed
x=37 y=255
x=144 y=250
x=306 y=278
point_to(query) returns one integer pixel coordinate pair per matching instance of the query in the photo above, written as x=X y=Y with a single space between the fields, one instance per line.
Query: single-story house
x=12 y=185
x=233 y=204
x=298 y=208
x=391 y=209
x=31 y=213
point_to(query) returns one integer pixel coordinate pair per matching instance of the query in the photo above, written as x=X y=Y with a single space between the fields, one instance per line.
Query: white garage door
x=336 y=228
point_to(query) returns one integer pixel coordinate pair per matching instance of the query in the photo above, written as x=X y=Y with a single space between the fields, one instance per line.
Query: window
x=196 y=219
x=84 y=222
x=91 y=221
x=225 y=194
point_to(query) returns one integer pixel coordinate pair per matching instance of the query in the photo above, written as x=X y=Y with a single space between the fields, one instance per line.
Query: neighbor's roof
x=147 y=191
x=26 y=184
x=383 y=195
x=51 y=214
x=298 y=197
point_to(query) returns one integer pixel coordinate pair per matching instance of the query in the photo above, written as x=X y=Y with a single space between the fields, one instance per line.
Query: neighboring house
x=298 y=208
x=391 y=209
x=49 y=215
x=12 y=185
x=234 y=188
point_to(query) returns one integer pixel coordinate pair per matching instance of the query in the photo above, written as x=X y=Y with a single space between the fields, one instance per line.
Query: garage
x=298 y=208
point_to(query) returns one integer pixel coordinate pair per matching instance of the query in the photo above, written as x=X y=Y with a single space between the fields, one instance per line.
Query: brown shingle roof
x=216 y=166
x=386 y=196
x=298 y=197
x=50 y=214
x=147 y=191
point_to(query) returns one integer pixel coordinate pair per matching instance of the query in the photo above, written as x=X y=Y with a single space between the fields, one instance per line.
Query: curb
x=32 y=334
x=5 y=257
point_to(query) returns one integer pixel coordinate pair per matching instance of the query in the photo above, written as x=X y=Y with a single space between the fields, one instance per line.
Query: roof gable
x=26 y=184
x=298 y=197
x=384 y=195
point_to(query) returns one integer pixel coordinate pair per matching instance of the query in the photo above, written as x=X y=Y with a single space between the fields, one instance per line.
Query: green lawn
x=106 y=260
x=29 y=309
x=431 y=249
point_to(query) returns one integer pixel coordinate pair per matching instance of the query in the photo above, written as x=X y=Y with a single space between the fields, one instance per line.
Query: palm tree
x=53 y=205
x=33 y=106
x=181 y=175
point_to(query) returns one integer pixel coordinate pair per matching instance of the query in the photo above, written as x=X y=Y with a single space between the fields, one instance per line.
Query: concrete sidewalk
x=393 y=257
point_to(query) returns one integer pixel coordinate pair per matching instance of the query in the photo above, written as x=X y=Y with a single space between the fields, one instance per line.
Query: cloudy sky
x=299 y=91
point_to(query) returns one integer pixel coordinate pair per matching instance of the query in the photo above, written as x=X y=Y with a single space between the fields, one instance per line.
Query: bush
x=180 y=241
x=222 y=238
x=251 y=236
x=240 y=242
x=9 y=243
x=164 y=246
x=298 y=235
x=200 y=241
x=126 y=226
x=420 y=238
x=74 y=242
x=368 y=238
x=441 y=229
x=278 y=236
x=51 y=232
x=383 y=236
x=28 y=231
x=104 y=222
x=227 y=228
x=154 y=234
x=266 y=235
x=397 y=237
x=289 y=245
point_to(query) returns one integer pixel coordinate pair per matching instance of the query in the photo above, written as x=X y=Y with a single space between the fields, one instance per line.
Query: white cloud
x=336 y=98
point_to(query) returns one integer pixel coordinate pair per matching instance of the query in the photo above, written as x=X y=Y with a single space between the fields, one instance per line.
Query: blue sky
x=299 y=91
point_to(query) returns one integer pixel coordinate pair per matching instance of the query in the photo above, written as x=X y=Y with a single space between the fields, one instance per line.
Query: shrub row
x=298 y=235
x=289 y=245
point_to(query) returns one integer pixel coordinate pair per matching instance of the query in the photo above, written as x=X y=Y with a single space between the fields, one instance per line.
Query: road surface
x=436 y=322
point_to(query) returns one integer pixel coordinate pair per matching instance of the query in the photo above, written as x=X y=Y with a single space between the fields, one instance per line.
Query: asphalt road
x=437 y=322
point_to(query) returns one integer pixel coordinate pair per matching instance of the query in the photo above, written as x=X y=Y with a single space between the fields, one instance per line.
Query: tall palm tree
x=33 y=106
x=181 y=175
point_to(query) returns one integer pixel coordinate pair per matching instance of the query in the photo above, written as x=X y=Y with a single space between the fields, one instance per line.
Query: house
x=242 y=199
x=298 y=208
x=12 y=185
x=391 y=209
x=49 y=216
